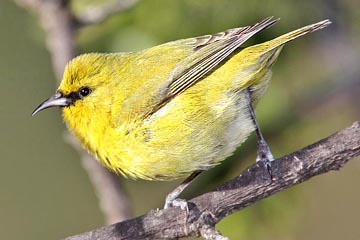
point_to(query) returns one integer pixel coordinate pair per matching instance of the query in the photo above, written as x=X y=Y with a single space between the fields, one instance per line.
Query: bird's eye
x=84 y=91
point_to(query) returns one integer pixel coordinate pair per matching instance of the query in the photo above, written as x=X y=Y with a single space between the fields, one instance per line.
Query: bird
x=173 y=110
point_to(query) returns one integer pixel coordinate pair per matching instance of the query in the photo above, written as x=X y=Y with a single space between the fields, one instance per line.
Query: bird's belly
x=182 y=138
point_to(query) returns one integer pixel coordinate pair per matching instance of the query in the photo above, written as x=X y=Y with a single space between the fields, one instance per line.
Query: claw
x=265 y=156
x=264 y=153
x=172 y=200
x=178 y=202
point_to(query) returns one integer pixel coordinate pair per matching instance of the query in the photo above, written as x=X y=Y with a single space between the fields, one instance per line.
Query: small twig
x=57 y=20
x=209 y=233
x=252 y=185
x=97 y=14
x=206 y=227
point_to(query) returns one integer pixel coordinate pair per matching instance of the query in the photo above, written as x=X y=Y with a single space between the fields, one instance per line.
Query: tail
x=279 y=41
x=262 y=56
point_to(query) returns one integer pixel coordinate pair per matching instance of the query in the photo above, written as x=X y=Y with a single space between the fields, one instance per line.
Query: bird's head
x=85 y=85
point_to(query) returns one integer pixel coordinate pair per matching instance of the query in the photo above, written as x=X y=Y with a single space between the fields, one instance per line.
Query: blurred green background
x=45 y=193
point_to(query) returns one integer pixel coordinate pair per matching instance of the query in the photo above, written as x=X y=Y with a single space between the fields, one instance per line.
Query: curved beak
x=57 y=99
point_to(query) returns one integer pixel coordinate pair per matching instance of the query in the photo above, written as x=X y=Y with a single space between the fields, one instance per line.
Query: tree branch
x=57 y=21
x=252 y=185
x=60 y=24
x=113 y=200
x=94 y=15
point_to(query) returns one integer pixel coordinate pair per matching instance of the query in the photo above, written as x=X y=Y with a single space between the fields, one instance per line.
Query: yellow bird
x=173 y=110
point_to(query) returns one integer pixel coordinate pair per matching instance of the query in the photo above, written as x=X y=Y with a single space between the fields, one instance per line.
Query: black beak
x=57 y=99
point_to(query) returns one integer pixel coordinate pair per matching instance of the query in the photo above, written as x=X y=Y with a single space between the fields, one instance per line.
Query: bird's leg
x=172 y=200
x=264 y=153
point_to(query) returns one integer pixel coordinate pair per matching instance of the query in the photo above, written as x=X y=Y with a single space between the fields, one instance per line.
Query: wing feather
x=208 y=52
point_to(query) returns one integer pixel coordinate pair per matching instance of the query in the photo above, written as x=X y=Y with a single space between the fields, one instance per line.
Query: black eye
x=84 y=91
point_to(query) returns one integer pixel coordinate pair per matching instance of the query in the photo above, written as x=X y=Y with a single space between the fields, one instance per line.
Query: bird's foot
x=177 y=202
x=265 y=156
x=172 y=199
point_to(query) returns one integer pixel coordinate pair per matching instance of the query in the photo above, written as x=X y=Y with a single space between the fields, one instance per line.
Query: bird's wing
x=208 y=52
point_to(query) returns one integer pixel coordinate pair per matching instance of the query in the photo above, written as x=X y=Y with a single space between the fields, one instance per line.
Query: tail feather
x=275 y=43
x=262 y=56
